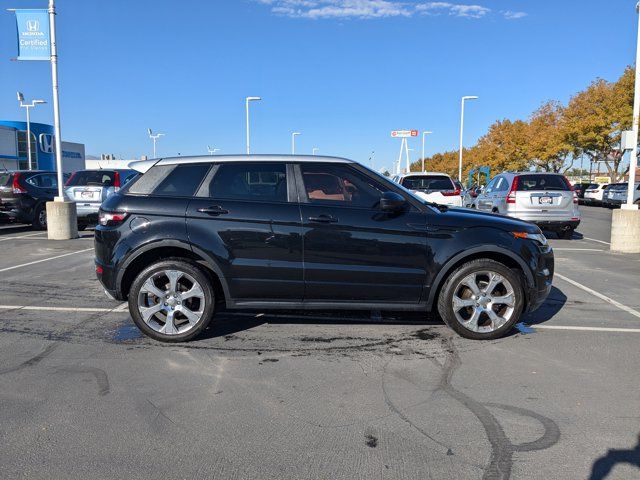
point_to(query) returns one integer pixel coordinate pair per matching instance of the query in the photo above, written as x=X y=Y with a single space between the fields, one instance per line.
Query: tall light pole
x=633 y=160
x=27 y=106
x=371 y=158
x=154 y=137
x=293 y=142
x=408 y=159
x=212 y=151
x=424 y=134
x=315 y=149
x=466 y=97
x=246 y=107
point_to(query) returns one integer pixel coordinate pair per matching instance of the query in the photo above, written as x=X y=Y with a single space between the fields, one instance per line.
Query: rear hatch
x=92 y=186
x=545 y=194
x=617 y=191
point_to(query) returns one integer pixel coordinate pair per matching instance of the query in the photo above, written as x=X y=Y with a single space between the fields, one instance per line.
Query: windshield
x=542 y=182
x=428 y=183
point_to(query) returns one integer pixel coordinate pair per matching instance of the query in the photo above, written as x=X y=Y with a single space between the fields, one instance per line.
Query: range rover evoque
x=195 y=234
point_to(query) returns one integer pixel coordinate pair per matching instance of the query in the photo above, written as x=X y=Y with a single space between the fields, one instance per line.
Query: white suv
x=431 y=186
x=593 y=194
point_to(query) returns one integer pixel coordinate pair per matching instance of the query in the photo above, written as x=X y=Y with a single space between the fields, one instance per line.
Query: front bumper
x=543 y=268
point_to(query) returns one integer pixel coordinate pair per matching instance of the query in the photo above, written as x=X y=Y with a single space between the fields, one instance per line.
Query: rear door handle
x=213 y=210
x=323 y=219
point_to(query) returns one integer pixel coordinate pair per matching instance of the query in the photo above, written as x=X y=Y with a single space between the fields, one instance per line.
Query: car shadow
x=576 y=235
x=552 y=305
x=603 y=466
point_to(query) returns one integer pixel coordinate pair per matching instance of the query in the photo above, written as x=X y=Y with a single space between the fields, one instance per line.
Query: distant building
x=13 y=148
x=110 y=161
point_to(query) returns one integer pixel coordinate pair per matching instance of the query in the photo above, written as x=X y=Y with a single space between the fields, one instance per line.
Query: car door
x=353 y=251
x=484 y=200
x=247 y=217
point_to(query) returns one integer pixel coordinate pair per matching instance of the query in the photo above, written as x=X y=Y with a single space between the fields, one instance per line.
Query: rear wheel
x=566 y=234
x=481 y=300
x=172 y=300
x=40 y=218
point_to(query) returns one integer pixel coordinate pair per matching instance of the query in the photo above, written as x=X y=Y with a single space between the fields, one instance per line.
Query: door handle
x=213 y=210
x=323 y=219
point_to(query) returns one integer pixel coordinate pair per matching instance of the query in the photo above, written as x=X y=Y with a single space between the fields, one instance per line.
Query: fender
x=181 y=245
x=440 y=278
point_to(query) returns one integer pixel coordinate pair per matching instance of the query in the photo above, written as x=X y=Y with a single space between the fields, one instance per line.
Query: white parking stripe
x=585 y=329
x=44 y=260
x=23 y=236
x=595 y=240
x=578 y=250
x=61 y=309
x=599 y=295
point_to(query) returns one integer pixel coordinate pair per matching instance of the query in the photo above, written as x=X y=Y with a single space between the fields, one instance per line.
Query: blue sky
x=342 y=72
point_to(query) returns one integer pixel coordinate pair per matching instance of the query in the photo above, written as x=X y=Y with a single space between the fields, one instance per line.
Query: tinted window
x=542 y=182
x=5 y=179
x=428 y=182
x=617 y=186
x=102 y=178
x=265 y=182
x=182 y=181
x=340 y=184
x=145 y=184
x=43 y=180
x=502 y=185
x=592 y=186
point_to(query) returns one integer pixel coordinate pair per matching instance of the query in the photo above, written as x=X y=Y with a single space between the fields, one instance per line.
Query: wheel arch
x=144 y=256
x=491 y=252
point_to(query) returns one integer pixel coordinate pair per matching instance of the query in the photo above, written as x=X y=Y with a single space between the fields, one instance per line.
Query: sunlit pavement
x=331 y=395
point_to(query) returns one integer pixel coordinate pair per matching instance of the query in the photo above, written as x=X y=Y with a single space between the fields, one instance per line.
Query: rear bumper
x=557 y=224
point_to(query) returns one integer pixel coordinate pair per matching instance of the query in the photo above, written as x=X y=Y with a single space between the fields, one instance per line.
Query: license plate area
x=545 y=200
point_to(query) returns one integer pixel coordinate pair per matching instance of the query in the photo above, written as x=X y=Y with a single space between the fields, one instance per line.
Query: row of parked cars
x=546 y=199
x=608 y=195
x=24 y=193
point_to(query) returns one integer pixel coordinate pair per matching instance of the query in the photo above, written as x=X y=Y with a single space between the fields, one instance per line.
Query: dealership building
x=13 y=148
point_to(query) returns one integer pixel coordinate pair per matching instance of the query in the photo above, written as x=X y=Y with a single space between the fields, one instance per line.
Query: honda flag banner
x=33 y=34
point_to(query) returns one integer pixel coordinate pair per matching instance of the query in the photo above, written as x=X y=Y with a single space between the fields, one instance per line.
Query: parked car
x=24 y=194
x=546 y=199
x=306 y=232
x=89 y=188
x=580 y=188
x=470 y=195
x=432 y=186
x=594 y=193
x=616 y=194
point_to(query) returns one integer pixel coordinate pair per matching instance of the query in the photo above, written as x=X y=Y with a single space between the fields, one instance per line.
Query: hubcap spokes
x=171 y=302
x=483 y=301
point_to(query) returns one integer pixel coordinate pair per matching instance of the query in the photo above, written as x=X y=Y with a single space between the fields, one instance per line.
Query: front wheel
x=481 y=300
x=172 y=300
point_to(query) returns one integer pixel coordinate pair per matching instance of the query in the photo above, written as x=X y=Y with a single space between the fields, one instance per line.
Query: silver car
x=89 y=188
x=616 y=194
x=546 y=199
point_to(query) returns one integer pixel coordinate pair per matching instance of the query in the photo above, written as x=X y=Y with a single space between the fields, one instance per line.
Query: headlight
x=536 y=237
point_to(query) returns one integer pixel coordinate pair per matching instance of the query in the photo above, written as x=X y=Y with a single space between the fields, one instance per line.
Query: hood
x=469 y=218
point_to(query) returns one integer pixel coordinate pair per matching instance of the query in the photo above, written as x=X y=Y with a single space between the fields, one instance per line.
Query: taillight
x=575 y=197
x=68 y=182
x=571 y=188
x=15 y=186
x=111 y=219
x=116 y=181
x=451 y=193
x=511 y=196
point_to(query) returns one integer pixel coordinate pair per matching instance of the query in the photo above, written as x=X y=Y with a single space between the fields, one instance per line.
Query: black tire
x=182 y=265
x=566 y=234
x=450 y=286
x=82 y=227
x=40 y=218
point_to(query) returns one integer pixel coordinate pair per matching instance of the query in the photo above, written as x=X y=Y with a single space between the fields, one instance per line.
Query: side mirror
x=392 y=202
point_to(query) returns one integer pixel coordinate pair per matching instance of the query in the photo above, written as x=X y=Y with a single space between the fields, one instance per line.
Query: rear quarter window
x=181 y=180
x=5 y=179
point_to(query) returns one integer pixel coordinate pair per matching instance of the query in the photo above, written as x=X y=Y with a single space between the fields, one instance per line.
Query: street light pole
x=154 y=138
x=424 y=134
x=246 y=106
x=466 y=97
x=27 y=107
x=633 y=160
x=315 y=149
x=293 y=142
x=212 y=151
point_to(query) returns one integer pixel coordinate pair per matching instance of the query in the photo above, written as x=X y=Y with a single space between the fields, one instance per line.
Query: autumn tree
x=549 y=146
x=504 y=147
x=596 y=117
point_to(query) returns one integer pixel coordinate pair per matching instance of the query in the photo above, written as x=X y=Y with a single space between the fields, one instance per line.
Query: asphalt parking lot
x=331 y=396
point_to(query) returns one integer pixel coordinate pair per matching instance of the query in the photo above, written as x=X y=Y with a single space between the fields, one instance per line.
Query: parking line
x=62 y=309
x=578 y=250
x=23 y=236
x=44 y=260
x=595 y=240
x=585 y=329
x=599 y=295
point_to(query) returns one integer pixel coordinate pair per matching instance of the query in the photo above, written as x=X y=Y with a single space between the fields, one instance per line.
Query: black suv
x=307 y=232
x=24 y=195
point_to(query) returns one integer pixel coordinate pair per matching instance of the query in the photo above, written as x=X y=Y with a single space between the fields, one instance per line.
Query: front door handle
x=213 y=210
x=323 y=219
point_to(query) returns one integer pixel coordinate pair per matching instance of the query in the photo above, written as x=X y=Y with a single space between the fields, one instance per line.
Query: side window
x=43 y=180
x=340 y=184
x=255 y=181
x=182 y=181
x=503 y=185
x=491 y=185
x=145 y=184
